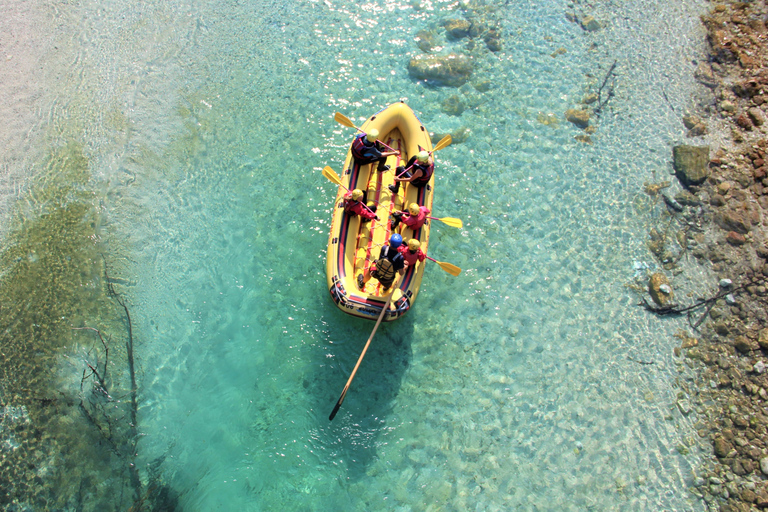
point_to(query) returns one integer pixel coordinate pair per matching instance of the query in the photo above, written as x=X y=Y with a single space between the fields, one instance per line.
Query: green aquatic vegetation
x=52 y=281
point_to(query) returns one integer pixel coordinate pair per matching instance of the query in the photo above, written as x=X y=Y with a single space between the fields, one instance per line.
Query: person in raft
x=354 y=204
x=367 y=149
x=417 y=171
x=412 y=252
x=414 y=218
x=390 y=263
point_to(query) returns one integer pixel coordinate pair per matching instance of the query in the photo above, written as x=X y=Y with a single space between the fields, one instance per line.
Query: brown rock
x=742 y=467
x=691 y=164
x=687 y=199
x=762 y=338
x=748 y=496
x=744 y=122
x=452 y=70
x=757 y=116
x=720 y=43
x=457 y=28
x=659 y=289
x=717 y=200
x=705 y=75
x=741 y=343
x=735 y=238
x=578 y=117
x=731 y=220
x=722 y=447
x=747 y=88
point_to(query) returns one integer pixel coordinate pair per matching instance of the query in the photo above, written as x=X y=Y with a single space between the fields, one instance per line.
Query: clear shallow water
x=513 y=387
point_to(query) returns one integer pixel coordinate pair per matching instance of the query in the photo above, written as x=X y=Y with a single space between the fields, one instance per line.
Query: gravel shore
x=726 y=205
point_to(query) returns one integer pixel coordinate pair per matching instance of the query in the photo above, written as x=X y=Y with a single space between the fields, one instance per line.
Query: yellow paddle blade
x=451 y=269
x=331 y=175
x=342 y=119
x=451 y=221
x=445 y=141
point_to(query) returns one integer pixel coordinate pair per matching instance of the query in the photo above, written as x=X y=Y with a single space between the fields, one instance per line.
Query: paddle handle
x=362 y=354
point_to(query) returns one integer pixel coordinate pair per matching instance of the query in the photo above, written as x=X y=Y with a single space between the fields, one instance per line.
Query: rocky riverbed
x=725 y=210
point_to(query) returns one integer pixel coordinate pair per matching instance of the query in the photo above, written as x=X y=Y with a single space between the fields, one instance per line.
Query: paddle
x=331 y=175
x=342 y=119
x=451 y=221
x=362 y=354
x=451 y=269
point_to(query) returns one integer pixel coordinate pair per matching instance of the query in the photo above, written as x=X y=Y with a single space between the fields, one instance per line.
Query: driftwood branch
x=135 y=480
x=709 y=303
x=600 y=102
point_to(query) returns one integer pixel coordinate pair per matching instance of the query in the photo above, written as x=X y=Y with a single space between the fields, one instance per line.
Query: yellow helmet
x=373 y=135
x=423 y=156
x=414 y=209
x=357 y=194
x=413 y=244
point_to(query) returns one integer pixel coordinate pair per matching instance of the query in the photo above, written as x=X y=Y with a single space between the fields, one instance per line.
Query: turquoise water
x=517 y=385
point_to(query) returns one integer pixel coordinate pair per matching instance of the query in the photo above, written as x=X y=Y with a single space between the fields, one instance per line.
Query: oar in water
x=362 y=354
x=331 y=175
x=451 y=221
x=342 y=119
x=448 y=267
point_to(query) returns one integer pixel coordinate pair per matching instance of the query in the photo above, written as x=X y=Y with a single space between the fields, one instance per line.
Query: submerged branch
x=675 y=309
x=135 y=480
x=600 y=102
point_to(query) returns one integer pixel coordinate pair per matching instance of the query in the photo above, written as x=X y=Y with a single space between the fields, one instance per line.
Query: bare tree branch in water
x=600 y=102
x=134 y=436
x=708 y=303
x=100 y=407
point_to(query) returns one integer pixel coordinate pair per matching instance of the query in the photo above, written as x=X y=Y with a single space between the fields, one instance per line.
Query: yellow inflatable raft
x=353 y=245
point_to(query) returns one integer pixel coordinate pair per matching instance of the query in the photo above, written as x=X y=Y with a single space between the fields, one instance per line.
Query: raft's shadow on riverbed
x=355 y=432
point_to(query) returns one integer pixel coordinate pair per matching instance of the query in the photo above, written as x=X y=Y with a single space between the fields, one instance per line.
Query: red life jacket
x=353 y=207
x=411 y=257
x=416 y=221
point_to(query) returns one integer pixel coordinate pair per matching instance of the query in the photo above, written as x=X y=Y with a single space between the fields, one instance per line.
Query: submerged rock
x=453 y=70
x=691 y=164
x=457 y=28
x=453 y=105
x=493 y=40
x=659 y=289
x=705 y=75
x=696 y=127
x=426 y=40
x=579 y=117
x=482 y=86
x=590 y=24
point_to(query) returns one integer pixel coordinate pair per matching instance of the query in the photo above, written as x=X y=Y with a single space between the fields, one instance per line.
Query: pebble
x=730 y=299
x=725 y=283
x=764 y=465
x=759 y=367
